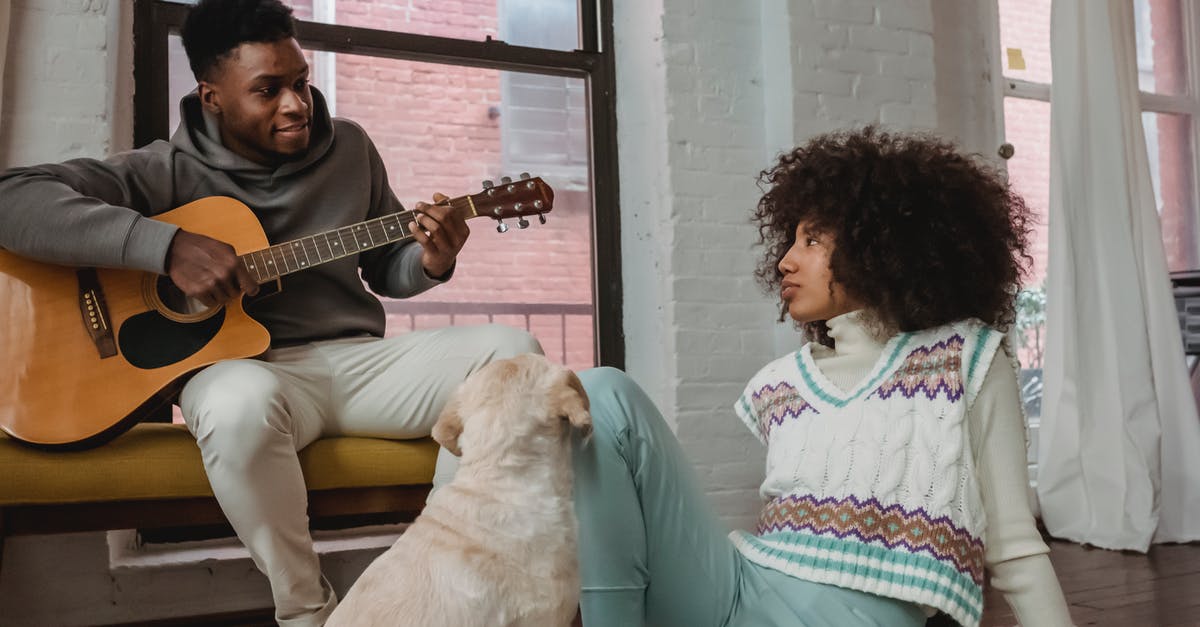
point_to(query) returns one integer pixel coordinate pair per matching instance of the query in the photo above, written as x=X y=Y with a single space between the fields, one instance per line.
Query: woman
x=895 y=439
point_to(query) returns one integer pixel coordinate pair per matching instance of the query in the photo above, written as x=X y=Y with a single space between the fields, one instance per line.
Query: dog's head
x=513 y=403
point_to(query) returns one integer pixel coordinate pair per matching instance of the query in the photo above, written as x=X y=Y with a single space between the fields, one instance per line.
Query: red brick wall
x=1027 y=128
x=436 y=128
x=1174 y=137
x=1025 y=25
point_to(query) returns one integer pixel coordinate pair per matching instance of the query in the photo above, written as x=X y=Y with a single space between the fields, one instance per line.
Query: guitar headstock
x=514 y=199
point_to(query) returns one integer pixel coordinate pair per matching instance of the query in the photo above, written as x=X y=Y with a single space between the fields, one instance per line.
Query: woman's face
x=807 y=287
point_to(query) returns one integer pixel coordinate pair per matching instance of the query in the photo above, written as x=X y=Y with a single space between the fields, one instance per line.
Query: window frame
x=1187 y=103
x=594 y=62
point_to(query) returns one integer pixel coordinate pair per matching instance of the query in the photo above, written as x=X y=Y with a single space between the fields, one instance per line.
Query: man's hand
x=207 y=270
x=441 y=233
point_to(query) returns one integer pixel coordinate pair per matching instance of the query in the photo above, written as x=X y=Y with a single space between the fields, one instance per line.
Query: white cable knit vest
x=875 y=489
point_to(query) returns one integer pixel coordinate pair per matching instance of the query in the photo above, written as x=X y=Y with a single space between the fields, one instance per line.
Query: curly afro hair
x=923 y=235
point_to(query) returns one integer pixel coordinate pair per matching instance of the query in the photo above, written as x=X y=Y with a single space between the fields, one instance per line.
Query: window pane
x=1027 y=128
x=1025 y=39
x=445 y=128
x=1161 y=53
x=550 y=24
x=1169 y=146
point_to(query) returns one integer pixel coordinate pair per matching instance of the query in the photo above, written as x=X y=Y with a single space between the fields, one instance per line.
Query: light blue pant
x=653 y=553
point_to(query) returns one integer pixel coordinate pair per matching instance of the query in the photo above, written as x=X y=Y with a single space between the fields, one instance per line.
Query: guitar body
x=65 y=383
x=87 y=353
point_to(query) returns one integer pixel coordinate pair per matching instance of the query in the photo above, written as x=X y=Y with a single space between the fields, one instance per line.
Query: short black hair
x=923 y=234
x=215 y=27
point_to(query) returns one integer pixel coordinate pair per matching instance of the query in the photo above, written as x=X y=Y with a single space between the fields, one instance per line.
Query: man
x=255 y=130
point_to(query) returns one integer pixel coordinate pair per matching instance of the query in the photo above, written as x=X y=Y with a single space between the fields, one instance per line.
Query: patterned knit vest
x=875 y=489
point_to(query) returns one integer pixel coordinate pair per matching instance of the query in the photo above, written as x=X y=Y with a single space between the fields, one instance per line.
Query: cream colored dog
x=494 y=547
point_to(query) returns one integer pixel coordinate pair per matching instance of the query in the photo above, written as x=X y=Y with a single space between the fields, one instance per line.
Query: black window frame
x=155 y=20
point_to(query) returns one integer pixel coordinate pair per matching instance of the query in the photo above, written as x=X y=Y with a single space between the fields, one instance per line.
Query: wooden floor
x=1109 y=588
x=1158 y=589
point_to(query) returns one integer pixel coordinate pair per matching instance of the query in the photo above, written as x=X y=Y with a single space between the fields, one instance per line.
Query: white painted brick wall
x=845 y=63
x=967 y=74
x=715 y=155
x=645 y=198
x=882 y=50
x=57 y=81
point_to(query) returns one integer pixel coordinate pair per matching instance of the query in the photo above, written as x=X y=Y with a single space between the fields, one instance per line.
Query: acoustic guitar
x=88 y=352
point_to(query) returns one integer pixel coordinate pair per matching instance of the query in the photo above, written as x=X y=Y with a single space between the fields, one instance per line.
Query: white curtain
x=1119 y=457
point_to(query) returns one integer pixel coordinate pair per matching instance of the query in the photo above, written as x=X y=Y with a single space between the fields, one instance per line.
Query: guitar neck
x=275 y=261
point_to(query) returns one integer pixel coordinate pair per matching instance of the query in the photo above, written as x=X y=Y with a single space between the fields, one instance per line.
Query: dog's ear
x=572 y=403
x=448 y=427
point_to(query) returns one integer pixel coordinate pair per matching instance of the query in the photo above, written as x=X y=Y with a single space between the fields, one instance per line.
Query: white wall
x=709 y=91
x=62 y=64
x=968 y=74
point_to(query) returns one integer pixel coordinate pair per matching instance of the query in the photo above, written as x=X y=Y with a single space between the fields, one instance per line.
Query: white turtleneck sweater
x=1015 y=553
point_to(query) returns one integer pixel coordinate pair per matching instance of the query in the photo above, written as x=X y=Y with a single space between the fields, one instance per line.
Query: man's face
x=260 y=94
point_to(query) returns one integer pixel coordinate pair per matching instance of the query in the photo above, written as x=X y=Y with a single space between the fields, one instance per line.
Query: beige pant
x=250 y=417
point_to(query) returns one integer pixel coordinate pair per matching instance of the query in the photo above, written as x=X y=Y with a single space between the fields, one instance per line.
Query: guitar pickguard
x=149 y=340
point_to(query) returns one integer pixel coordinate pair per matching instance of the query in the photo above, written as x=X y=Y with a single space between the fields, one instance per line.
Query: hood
x=198 y=135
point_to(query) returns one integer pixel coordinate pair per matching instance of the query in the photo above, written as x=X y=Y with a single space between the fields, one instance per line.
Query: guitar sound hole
x=176 y=301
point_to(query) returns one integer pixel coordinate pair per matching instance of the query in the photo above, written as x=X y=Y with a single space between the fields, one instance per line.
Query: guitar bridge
x=94 y=312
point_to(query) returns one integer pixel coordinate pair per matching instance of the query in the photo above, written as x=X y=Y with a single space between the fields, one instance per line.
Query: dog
x=496 y=546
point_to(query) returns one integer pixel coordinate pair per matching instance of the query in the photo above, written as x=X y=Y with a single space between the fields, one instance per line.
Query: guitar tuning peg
x=524 y=176
x=506 y=180
x=542 y=218
x=488 y=184
x=502 y=227
x=522 y=223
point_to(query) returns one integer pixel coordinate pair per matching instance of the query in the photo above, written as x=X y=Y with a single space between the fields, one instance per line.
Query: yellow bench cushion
x=156 y=461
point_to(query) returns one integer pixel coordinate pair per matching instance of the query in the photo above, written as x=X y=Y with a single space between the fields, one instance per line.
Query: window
x=548 y=24
x=1165 y=60
x=453 y=94
x=1025 y=57
x=1169 y=106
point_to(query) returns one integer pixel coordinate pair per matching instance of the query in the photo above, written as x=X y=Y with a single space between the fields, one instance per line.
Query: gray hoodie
x=87 y=212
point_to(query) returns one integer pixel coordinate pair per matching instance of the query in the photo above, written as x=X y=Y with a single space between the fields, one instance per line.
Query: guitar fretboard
x=275 y=261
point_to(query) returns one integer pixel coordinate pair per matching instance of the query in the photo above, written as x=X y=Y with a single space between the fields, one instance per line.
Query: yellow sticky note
x=1015 y=60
